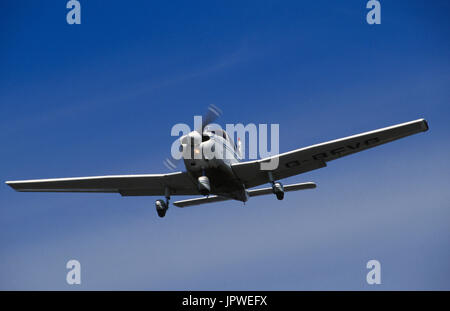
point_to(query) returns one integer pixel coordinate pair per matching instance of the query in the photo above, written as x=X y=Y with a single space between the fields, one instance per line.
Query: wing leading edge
x=313 y=157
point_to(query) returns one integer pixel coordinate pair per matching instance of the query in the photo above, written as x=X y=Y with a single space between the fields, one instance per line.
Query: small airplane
x=220 y=179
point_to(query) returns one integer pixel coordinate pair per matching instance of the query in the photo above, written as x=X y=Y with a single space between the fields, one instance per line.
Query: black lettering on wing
x=292 y=163
x=337 y=151
x=320 y=156
x=371 y=141
x=354 y=147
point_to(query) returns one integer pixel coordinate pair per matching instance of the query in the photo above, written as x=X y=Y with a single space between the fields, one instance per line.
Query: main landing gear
x=278 y=190
x=161 y=206
x=277 y=187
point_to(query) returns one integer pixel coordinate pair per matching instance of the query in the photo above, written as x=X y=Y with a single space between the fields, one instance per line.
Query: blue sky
x=101 y=98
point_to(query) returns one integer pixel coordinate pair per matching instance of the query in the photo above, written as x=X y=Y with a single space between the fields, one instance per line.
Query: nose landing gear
x=204 y=186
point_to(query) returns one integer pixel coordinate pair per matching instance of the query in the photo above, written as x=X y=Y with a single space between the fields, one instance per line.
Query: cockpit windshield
x=224 y=135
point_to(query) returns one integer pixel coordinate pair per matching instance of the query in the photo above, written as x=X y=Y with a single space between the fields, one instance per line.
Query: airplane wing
x=313 y=157
x=179 y=183
x=251 y=193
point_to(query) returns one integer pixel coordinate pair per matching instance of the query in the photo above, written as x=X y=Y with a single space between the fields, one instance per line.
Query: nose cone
x=191 y=145
x=192 y=139
x=184 y=139
x=208 y=149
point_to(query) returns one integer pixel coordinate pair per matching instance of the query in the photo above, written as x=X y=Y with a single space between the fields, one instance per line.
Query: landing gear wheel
x=161 y=208
x=278 y=190
x=280 y=195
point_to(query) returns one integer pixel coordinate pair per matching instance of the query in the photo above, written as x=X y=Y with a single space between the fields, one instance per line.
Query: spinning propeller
x=212 y=113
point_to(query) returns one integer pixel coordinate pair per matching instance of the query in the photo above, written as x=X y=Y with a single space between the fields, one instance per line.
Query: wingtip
x=11 y=184
x=425 y=124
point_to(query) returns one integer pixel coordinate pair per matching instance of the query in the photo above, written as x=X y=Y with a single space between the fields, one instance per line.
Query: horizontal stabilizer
x=198 y=201
x=251 y=193
x=293 y=187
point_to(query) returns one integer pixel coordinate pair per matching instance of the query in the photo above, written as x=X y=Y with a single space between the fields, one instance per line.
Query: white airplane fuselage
x=211 y=155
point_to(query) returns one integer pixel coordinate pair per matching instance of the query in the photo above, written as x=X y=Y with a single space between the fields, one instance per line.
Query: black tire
x=161 y=213
x=280 y=195
x=161 y=208
x=278 y=190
